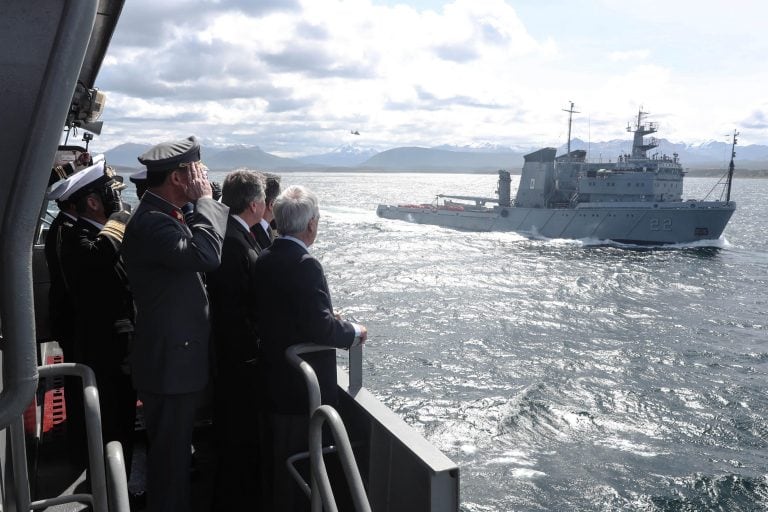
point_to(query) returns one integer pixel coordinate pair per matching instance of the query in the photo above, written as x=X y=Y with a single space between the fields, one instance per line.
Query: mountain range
x=465 y=158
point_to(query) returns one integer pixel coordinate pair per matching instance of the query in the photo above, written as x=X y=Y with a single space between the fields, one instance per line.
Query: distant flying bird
x=355 y=132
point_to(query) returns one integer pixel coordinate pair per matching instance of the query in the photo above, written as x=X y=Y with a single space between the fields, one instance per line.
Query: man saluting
x=173 y=237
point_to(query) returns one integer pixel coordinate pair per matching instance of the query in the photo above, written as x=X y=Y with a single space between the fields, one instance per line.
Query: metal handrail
x=346 y=456
x=295 y=472
x=117 y=479
x=355 y=368
x=321 y=492
x=98 y=497
x=19 y=463
x=310 y=377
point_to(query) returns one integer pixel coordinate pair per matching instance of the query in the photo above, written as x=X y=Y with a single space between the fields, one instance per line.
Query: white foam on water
x=525 y=473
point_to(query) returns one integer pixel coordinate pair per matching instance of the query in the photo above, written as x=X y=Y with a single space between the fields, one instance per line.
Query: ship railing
x=479 y=201
x=109 y=487
x=319 y=489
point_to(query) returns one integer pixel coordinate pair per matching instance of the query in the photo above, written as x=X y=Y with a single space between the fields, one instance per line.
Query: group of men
x=186 y=287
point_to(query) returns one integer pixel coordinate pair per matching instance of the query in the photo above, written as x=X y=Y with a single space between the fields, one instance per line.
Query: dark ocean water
x=561 y=375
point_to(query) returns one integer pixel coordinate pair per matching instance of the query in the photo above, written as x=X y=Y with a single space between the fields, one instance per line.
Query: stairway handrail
x=96 y=469
x=346 y=456
x=321 y=491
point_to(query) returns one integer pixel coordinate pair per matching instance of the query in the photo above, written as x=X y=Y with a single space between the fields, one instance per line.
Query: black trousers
x=238 y=482
x=170 y=420
x=287 y=435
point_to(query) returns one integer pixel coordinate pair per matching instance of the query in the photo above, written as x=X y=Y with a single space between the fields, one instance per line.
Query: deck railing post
x=355 y=368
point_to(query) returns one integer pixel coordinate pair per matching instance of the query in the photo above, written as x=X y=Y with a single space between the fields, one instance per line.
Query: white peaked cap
x=82 y=178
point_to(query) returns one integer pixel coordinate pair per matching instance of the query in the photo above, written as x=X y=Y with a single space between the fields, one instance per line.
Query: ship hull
x=637 y=223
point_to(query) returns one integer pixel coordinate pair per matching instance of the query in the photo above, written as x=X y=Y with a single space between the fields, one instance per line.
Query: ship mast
x=639 y=146
x=570 y=119
x=730 y=167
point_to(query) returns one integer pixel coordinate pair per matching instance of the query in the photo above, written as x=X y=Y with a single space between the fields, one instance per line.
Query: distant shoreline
x=692 y=173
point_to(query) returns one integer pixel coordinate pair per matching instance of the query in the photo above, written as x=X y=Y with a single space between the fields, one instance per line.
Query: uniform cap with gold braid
x=91 y=179
x=58 y=188
x=62 y=189
x=171 y=155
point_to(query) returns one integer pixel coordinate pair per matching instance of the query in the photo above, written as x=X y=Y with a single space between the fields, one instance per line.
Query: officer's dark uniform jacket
x=60 y=307
x=165 y=255
x=98 y=282
x=104 y=323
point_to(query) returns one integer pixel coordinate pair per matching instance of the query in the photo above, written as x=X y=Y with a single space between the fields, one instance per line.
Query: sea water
x=561 y=374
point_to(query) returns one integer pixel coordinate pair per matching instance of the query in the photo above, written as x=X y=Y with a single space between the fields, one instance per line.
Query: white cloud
x=631 y=55
x=294 y=78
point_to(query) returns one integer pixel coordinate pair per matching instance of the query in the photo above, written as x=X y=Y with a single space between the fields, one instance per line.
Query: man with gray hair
x=298 y=310
x=232 y=288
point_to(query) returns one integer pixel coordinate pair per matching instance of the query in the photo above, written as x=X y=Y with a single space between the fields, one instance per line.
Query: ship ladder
x=319 y=489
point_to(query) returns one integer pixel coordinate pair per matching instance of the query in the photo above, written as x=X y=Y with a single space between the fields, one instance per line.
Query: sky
x=296 y=77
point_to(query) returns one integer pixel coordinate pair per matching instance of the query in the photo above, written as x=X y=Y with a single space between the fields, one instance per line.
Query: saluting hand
x=198 y=183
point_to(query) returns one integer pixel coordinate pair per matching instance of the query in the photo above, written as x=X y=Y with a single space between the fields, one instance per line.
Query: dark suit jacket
x=263 y=238
x=165 y=258
x=233 y=289
x=297 y=310
x=60 y=306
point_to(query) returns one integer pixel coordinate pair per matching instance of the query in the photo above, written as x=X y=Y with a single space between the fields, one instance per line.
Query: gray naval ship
x=635 y=200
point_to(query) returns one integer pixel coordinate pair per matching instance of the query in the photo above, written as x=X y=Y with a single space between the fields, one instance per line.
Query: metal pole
x=355 y=368
x=570 y=118
x=118 y=481
x=346 y=457
x=19 y=456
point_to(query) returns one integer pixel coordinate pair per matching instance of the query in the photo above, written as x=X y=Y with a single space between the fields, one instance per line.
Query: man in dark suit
x=297 y=310
x=233 y=288
x=97 y=282
x=263 y=231
x=166 y=250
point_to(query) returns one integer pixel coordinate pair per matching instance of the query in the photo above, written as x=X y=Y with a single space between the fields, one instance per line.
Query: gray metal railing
x=99 y=495
x=326 y=413
x=355 y=368
x=117 y=479
x=320 y=491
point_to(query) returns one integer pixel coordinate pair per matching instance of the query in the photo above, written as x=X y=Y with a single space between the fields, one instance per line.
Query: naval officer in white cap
x=104 y=312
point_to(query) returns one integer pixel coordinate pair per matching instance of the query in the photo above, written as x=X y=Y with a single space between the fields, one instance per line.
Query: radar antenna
x=730 y=167
x=570 y=119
